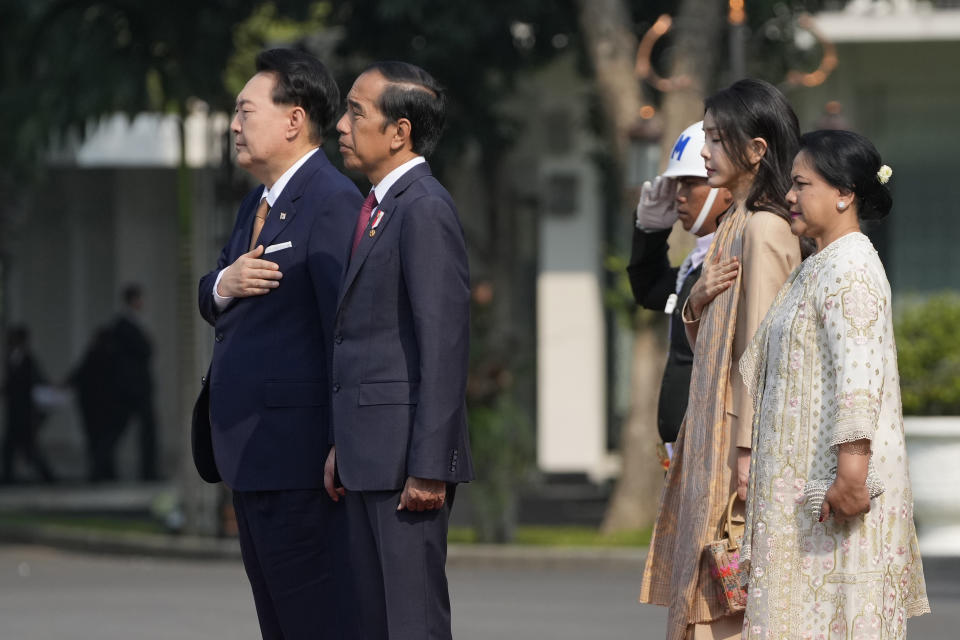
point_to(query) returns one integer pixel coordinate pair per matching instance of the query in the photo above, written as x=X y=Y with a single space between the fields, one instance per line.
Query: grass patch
x=546 y=536
x=83 y=521
x=558 y=536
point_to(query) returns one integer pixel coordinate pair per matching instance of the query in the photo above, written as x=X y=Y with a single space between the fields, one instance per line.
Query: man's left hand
x=330 y=476
x=421 y=494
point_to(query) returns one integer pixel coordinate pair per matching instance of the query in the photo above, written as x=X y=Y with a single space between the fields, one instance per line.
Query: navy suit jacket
x=401 y=344
x=269 y=377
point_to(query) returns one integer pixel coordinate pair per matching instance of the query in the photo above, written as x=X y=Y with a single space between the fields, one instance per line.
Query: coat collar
x=387 y=208
x=284 y=209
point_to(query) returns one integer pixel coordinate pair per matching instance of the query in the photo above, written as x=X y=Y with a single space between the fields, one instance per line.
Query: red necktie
x=363 y=219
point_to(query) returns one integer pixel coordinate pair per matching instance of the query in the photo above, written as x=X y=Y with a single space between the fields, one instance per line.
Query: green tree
x=611 y=44
x=68 y=63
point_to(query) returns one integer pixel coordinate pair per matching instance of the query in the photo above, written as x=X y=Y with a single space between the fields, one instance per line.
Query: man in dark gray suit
x=399 y=360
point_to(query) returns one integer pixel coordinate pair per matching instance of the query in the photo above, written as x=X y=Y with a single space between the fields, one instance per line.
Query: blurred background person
x=681 y=192
x=751 y=138
x=838 y=556
x=114 y=384
x=134 y=381
x=91 y=379
x=23 y=416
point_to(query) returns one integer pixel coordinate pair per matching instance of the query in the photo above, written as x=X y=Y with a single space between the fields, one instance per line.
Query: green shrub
x=928 y=345
x=502 y=442
x=502 y=434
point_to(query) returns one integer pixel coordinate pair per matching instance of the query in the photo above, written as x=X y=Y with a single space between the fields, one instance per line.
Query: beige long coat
x=719 y=417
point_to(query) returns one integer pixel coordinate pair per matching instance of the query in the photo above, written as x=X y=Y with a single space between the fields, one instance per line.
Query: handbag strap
x=733 y=532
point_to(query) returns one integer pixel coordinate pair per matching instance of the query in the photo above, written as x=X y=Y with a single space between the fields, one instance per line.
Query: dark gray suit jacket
x=401 y=344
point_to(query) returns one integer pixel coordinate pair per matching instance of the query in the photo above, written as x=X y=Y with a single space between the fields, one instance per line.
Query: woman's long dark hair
x=750 y=109
x=849 y=161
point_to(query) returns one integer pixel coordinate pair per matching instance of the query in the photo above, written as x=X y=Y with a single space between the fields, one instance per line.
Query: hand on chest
x=277 y=232
x=285 y=238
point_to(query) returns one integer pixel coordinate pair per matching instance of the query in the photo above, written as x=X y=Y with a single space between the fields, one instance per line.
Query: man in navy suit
x=271 y=300
x=399 y=360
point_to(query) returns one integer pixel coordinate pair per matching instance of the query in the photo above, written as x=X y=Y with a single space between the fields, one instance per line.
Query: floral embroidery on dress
x=861 y=306
x=822 y=368
x=855 y=416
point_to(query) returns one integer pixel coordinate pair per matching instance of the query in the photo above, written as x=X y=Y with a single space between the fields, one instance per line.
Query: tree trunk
x=200 y=501
x=612 y=48
x=696 y=50
x=696 y=36
x=636 y=497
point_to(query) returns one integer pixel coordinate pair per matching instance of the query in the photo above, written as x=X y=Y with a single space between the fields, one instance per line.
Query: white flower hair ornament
x=884 y=173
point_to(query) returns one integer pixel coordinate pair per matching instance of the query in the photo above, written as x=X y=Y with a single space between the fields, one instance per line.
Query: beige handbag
x=724 y=558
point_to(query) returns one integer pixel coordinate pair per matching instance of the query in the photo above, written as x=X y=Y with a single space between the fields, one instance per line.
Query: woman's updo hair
x=847 y=160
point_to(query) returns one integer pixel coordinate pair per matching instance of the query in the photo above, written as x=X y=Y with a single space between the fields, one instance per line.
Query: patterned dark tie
x=363 y=219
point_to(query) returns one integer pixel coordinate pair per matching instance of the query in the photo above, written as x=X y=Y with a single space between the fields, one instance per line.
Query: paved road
x=53 y=595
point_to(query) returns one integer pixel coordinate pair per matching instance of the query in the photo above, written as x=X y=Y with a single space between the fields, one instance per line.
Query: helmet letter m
x=680 y=145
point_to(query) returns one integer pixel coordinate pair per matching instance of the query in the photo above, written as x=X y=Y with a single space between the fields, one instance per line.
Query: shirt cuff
x=219 y=300
x=743 y=437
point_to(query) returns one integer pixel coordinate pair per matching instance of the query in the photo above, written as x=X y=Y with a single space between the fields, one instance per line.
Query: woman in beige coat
x=752 y=136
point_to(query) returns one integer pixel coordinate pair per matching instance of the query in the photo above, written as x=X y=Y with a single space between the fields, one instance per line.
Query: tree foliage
x=66 y=63
x=478 y=50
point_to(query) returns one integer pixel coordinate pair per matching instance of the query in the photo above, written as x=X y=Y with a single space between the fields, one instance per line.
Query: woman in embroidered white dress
x=827 y=561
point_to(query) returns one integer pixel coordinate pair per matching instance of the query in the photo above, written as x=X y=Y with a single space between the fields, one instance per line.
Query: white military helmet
x=685 y=159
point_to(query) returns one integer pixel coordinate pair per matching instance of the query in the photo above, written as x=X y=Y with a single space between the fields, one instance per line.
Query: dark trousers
x=106 y=425
x=21 y=436
x=285 y=545
x=397 y=561
x=142 y=411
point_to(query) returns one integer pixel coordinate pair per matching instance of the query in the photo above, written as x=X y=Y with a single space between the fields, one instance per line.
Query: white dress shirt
x=391 y=178
x=381 y=189
x=694 y=260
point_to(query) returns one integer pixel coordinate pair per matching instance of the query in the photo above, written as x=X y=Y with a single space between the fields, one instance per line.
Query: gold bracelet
x=688 y=317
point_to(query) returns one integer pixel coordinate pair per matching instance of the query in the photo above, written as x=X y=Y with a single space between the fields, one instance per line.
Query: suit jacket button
x=219 y=337
x=336 y=388
x=338 y=338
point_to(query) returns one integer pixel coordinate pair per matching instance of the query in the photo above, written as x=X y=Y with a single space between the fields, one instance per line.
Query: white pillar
x=571 y=350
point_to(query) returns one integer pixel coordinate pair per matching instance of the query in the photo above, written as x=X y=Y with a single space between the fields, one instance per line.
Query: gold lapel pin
x=373 y=232
x=283 y=215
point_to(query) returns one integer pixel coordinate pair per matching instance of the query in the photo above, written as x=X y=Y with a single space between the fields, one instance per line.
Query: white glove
x=657 y=208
